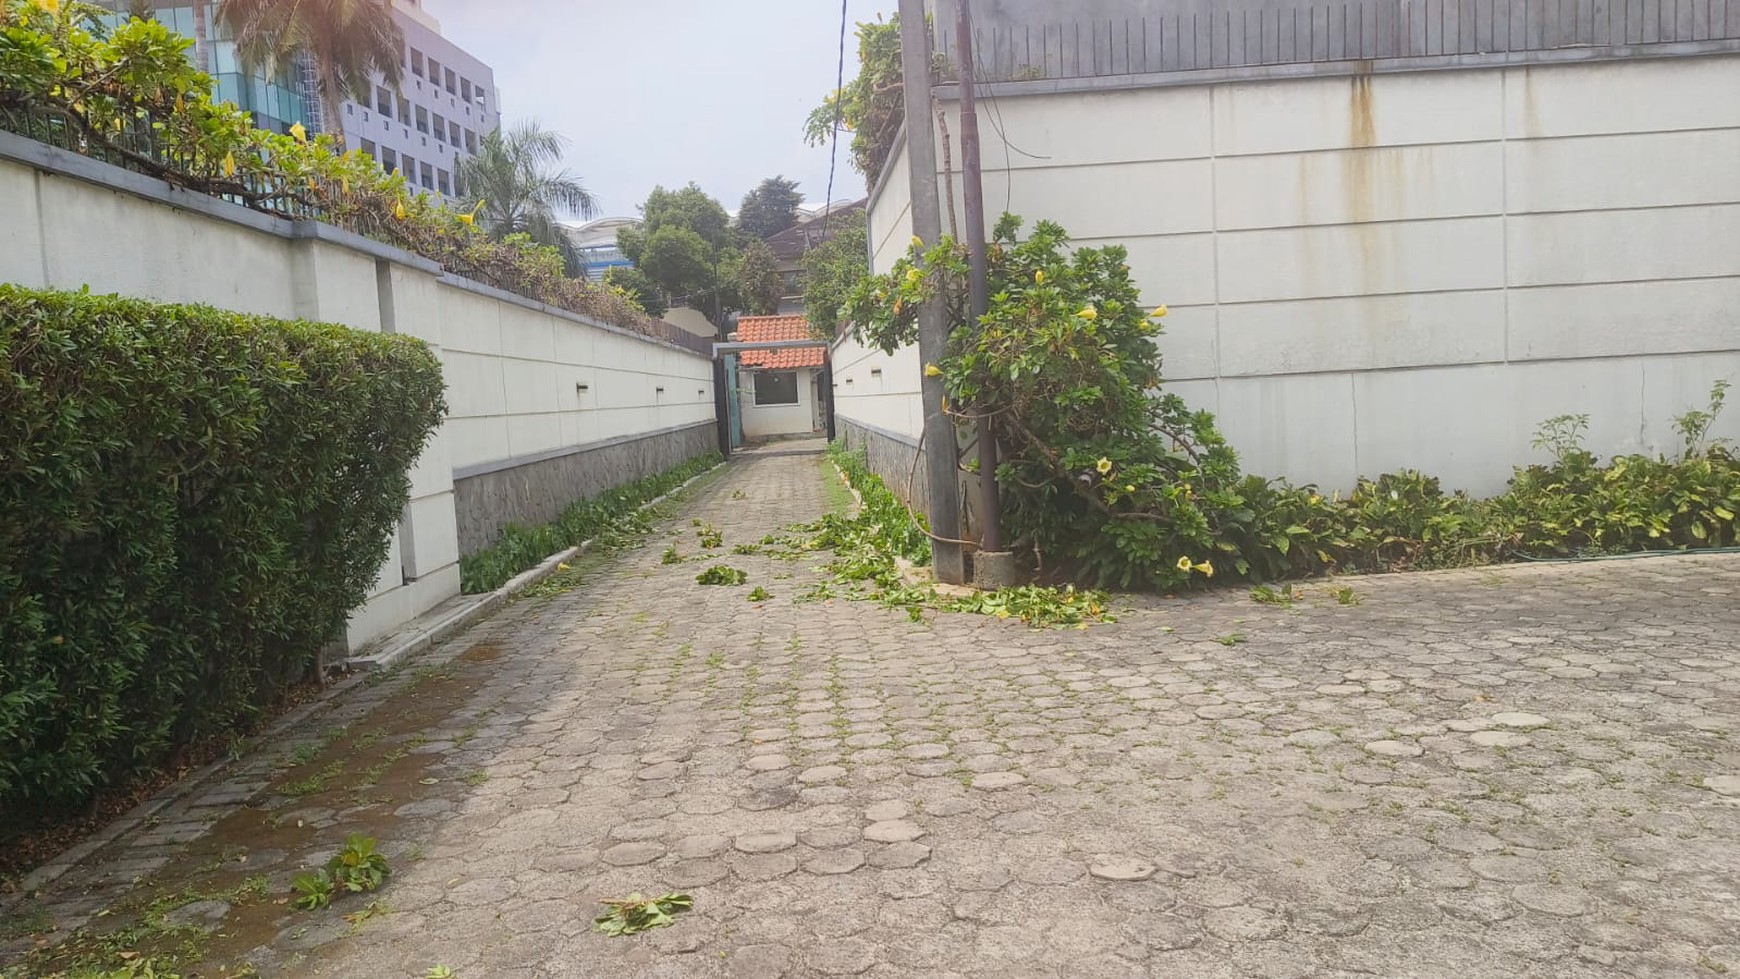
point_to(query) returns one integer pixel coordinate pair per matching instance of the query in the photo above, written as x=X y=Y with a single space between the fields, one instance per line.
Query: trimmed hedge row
x=191 y=502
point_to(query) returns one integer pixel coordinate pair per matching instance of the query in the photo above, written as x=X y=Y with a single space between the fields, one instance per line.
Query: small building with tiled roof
x=779 y=391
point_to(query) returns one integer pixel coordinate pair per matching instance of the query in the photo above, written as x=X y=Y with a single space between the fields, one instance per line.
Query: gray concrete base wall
x=890 y=456
x=534 y=491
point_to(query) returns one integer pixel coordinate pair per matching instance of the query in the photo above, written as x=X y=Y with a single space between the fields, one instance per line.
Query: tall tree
x=516 y=178
x=770 y=208
x=757 y=280
x=685 y=245
x=350 y=42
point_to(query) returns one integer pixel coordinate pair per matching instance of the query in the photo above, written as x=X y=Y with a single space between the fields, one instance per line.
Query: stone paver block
x=1122 y=868
x=766 y=842
x=893 y=831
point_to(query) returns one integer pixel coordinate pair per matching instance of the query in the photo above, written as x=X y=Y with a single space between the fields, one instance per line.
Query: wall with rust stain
x=1409 y=269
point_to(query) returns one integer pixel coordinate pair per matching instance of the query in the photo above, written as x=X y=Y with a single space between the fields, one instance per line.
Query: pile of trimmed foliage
x=191 y=502
x=1108 y=479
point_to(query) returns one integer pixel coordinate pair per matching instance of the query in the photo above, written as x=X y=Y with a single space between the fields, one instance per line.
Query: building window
x=440 y=129
x=383 y=101
x=445 y=180
x=428 y=173
x=389 y=160
x=434 y=73
x=422 y=119
x=350 y=108
x=470 y=141
x=775 y=388
x=451 y=82
x=416 y=62
x=465 y=89
x=368 y=148
x=404 y=109
x=453 y=133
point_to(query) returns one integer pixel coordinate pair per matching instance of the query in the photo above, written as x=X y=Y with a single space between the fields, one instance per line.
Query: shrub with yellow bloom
x=1104 y=465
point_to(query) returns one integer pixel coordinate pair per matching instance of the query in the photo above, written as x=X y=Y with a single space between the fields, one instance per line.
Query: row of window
x=416 y=174
x=444 y=130
x=446 y=78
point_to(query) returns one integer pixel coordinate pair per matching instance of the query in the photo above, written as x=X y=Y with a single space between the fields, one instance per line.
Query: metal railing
x=1022 y=45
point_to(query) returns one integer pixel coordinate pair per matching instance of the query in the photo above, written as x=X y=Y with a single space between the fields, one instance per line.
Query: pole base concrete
x=995 y=569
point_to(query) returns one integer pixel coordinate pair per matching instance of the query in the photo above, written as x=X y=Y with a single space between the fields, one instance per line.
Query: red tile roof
x=760 y=329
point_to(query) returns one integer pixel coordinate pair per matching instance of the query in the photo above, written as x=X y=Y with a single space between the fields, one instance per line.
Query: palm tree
x=514 y=176
x=349 y=42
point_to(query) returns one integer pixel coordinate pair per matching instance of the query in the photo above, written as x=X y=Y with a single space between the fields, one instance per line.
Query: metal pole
x=942 y=461
x=990 y=507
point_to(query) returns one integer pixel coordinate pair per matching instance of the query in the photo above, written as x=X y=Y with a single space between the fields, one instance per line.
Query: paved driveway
x=1532 y=771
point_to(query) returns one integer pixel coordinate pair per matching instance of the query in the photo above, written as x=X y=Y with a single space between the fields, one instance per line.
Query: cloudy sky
x=667 y=91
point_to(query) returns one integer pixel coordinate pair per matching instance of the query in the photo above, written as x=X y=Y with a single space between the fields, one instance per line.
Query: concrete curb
x=445 y=627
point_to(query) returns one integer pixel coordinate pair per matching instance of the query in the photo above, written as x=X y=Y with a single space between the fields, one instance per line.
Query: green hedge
x=191 y=501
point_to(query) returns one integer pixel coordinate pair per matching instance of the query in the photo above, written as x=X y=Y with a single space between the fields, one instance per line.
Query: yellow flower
x=52 y=6
x=561 y=566
x=1206 y=568
x=917 y=242
x=229 y=164
x=344 y=184
x=932 y=370
x=1129 y=487
x=399 y=211
x=299 y=132
x=1315 y=499
x=1158 y=313
x=1002 y=613
x=466 y=219
x=912 y=275
x=1089 y=313
x=1104 y=465
x=1184 y=565
x=1039 y=277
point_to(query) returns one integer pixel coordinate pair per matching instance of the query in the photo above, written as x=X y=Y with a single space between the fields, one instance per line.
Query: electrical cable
x=839 y=111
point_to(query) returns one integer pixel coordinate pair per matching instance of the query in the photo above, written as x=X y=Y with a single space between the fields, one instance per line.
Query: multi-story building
x=595 y=242
x=445 y=103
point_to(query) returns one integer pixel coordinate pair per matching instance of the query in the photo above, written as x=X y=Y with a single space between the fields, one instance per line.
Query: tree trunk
x=332 y=105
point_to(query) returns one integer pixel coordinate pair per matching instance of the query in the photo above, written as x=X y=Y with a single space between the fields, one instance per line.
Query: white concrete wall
x=511 y=366
x=879 y=390
x=1406 y=269
x=768 y=421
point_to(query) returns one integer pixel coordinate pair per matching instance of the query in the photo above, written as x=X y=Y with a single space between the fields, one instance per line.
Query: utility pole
x=990 y=507
x=941 y=461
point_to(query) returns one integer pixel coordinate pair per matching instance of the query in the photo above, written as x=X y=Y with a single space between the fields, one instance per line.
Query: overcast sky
x=667 y=91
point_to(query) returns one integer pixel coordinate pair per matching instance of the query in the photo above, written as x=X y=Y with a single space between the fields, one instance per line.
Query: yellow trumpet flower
x=229 y=164
x=932 y=370
x=52 y=6
x=1089 y=314
x=466 y=219
x=917 y=242
x=1104 y=465
x=399 y=211
x=344 y=184
x=299 y=132
x=1184 y=565
x=1158 y=313
x=1206 y=568
x=913 y=275
x=1039 y=277
x=1129 y=487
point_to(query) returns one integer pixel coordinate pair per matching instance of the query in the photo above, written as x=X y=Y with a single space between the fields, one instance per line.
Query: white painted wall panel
x=1362 y=333
x=1361 y=259
x=1627 y=171
x=1337 y=113
x=1169 y=125
x=1624 y=246
x=1347 y=186
x=1615 y=319
x=1621 y=97
x=1112 y=199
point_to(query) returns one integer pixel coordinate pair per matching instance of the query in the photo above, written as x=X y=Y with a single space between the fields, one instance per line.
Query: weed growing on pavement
x=637 y=913
x=671 y=556
x=1344 y=595
x=710 y=537
x=357 y=868
x=759 y=594
x=1230 y=639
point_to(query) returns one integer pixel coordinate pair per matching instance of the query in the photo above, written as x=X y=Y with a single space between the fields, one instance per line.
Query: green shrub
x=191 y=502
x=607 y=518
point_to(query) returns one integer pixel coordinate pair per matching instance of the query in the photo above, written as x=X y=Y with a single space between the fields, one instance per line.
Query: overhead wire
x=839 y=112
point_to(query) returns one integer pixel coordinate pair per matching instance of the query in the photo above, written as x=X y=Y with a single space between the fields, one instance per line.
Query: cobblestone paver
x=1529 y=771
